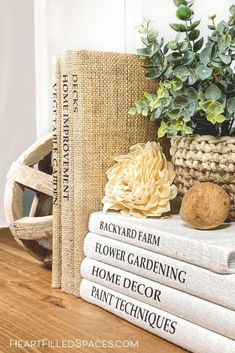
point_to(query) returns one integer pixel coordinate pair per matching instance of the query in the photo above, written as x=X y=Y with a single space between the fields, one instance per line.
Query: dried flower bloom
x=140 y=183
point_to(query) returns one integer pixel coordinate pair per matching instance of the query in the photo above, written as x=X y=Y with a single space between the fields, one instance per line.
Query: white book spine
x=172 y=328
x=188 y=278
x=151 y=238
x=201 y=312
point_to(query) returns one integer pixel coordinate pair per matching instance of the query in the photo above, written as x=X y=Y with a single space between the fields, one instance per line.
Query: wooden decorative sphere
x=32 y=171
x=205 y=206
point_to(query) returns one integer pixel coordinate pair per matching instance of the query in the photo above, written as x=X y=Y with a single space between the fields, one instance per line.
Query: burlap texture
x=56 y=162
x=108 y=85
x=67 y=176
x=205 y=158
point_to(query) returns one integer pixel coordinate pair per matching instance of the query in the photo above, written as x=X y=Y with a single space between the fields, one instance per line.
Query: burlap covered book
x=56 y=163
x=103 y=87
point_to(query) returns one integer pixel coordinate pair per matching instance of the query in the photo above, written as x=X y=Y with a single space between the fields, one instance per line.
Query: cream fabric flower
x=140 y=183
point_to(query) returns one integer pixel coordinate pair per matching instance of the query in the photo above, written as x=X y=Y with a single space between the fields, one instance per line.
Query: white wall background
x=107 y=25
x=17 y=84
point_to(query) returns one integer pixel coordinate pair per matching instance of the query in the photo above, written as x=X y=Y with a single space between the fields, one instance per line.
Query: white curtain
x=17 y=85
x=93 y=25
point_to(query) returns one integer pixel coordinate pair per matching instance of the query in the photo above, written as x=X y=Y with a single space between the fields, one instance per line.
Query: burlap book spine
x=107 y=86
x=56 y=163
x=67 y=177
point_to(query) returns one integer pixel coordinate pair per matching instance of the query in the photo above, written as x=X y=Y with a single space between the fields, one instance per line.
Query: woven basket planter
x=204 y=158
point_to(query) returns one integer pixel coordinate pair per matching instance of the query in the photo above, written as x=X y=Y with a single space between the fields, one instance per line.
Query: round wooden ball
x=205 y=206
x=32 y=171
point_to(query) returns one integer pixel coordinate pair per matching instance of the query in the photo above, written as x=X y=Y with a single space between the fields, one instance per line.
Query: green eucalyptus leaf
x=184 y=13
x=181 y=72
x=157 y=113
x=166 y=101
x=214 y=38
x=226 y=59
x=188 y=57
x=192 y=78
x=212 y=17
x=213 y=93
x=173 y=45
x=201 y=95
x=194 y=25
x=143 y=52
x=232 y=10
x=204 y=72
x=198 y=45
x=192 y=93
x=221 y=27
x=145 y=112
x=217 y=63
x=138 y=107
x=154 y=48
x=149 y=96
x=154 y=73
x=231 y=105
x=165 y=49
x=223 y=100
x=132 y=111
x=180 y=2
x=168 y=72
x=155 y=103
x=148 y=66
x=192 y=107
x=204 y=105
x=178 y=27
x=205 y=55
x=187 y=130
x=178 y=126
x=181 y=101
x=215 y=107
x=174 y=113
x=211 y=27
x=215 y=118
x=152 y=117
x=195 y=81
x=194 y=34
x=162 y=129
x=152 y=35
x=177 y=85
x=190 y=3
x=184 y=46
x=175 y=58
x=224 y=42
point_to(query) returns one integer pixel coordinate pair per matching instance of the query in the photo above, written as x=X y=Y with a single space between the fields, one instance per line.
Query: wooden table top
x=31 y=310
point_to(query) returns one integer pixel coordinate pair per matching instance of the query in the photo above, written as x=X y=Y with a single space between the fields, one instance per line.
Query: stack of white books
x=159 y=274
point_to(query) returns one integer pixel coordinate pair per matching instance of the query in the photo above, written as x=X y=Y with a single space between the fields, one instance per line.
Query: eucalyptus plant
x=195 y=78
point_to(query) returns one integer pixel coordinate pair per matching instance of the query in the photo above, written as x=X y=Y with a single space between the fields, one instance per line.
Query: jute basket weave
x=205 y=158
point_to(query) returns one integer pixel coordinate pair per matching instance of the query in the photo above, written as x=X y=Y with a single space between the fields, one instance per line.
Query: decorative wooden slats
x=32 y=170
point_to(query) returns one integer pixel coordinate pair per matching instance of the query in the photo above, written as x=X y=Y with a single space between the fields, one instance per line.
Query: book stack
x=92 y=93
x=171 y=280
x=163 y=276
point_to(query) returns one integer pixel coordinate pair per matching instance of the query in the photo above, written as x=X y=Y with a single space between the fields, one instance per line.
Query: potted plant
x=194 y=100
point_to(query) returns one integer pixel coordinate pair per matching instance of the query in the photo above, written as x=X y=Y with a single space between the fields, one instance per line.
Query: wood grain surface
x=31 y=310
